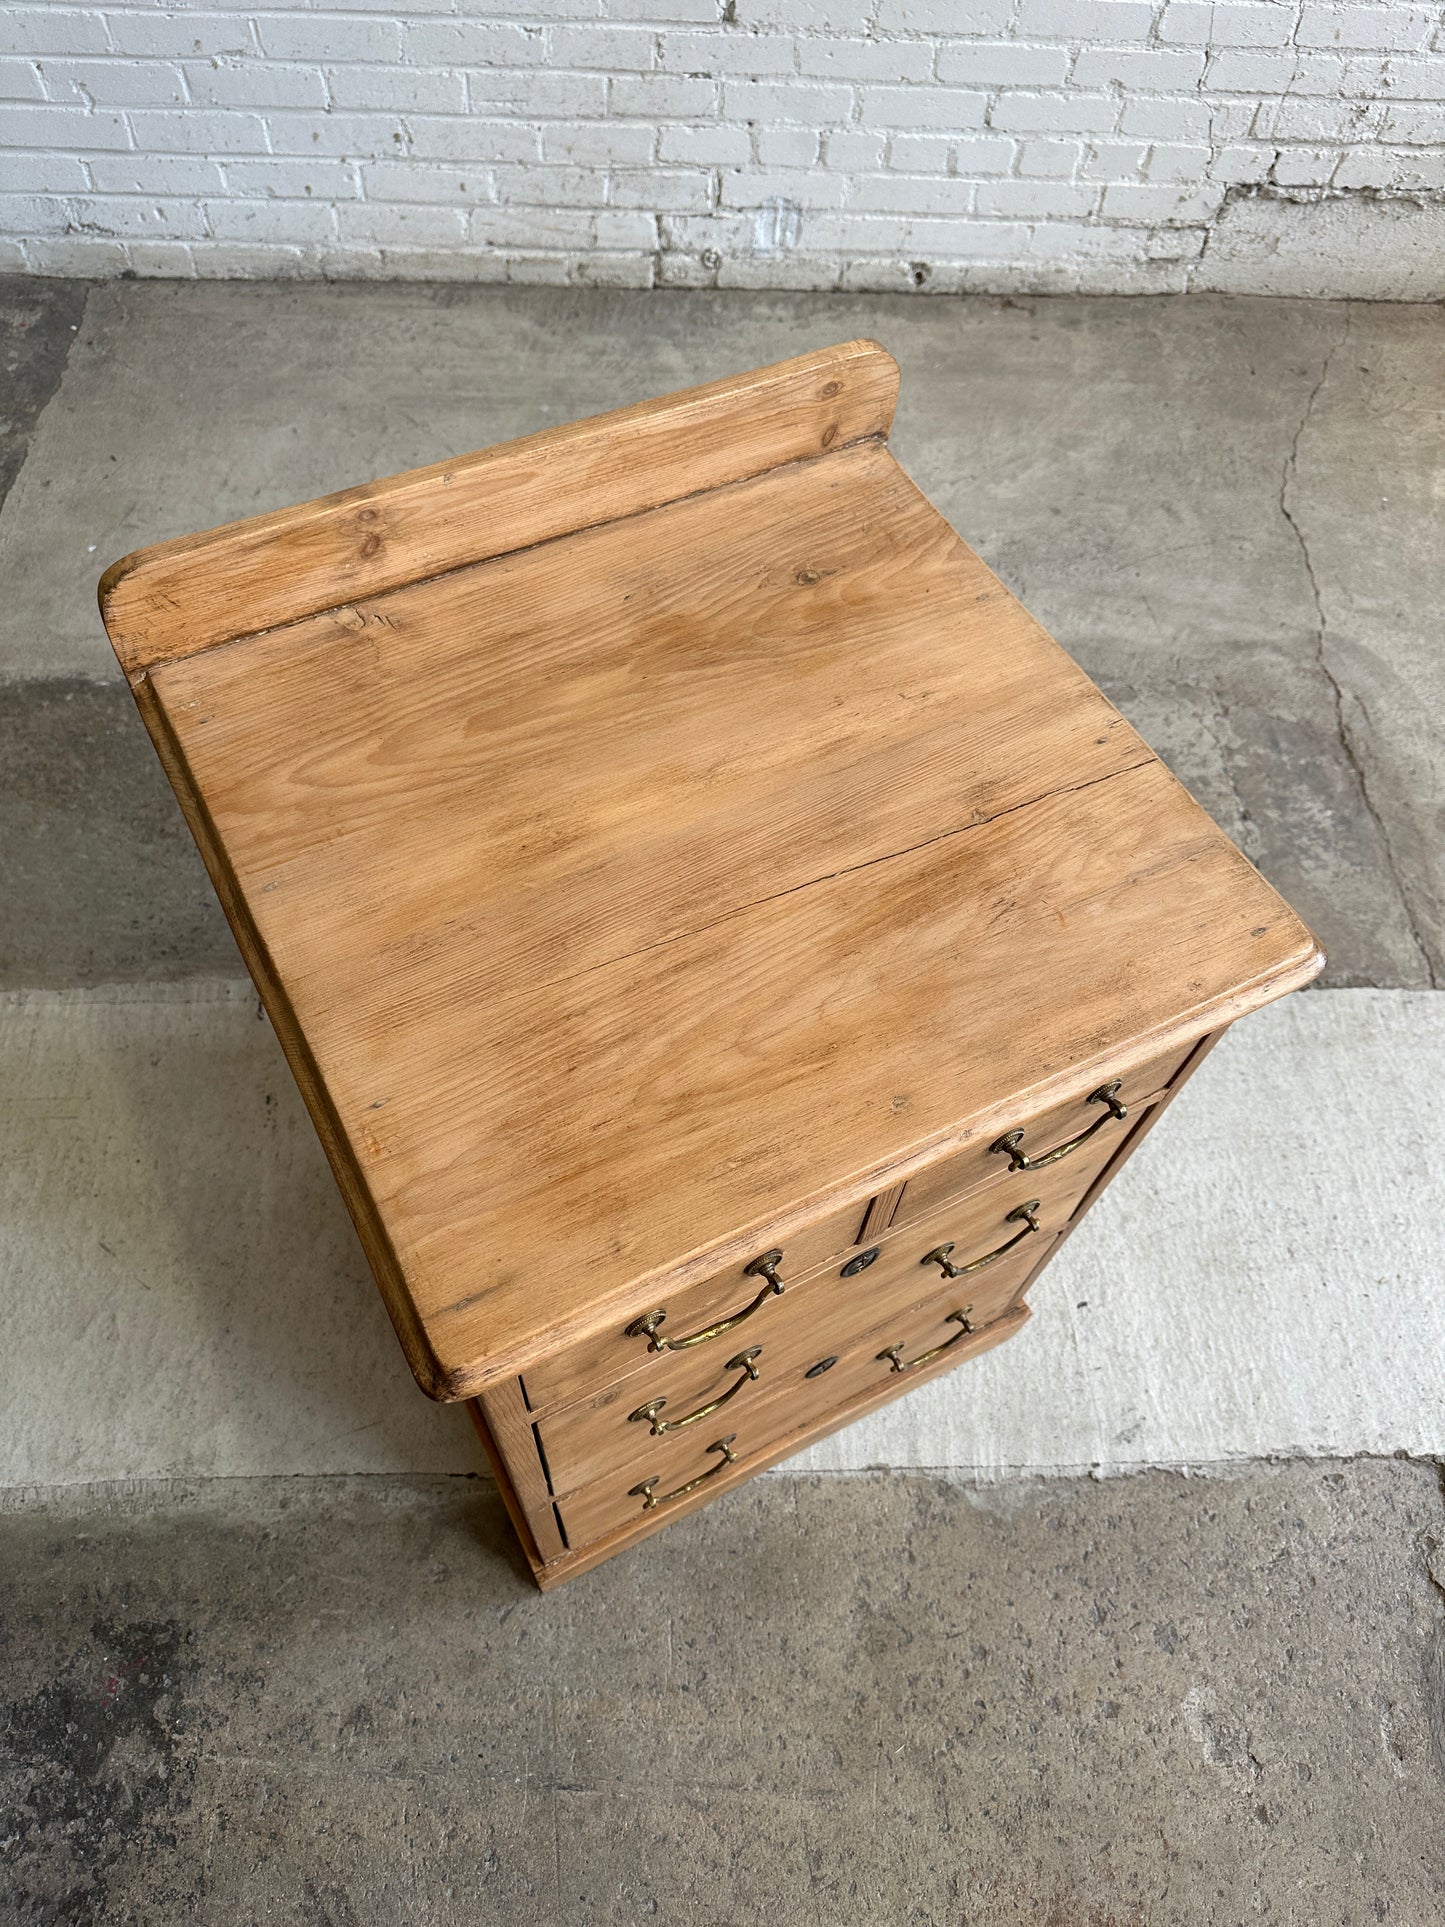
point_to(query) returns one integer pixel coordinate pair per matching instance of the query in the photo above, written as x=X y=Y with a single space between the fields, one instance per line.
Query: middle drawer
x=964 y=1244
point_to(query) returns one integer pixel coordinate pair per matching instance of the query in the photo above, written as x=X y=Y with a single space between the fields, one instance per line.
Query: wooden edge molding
x=425 y=1366
x=179 y=597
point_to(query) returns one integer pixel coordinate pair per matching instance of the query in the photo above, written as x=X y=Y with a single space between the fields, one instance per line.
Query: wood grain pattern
x=654 y=841
x=176 y=597
x=553 y=916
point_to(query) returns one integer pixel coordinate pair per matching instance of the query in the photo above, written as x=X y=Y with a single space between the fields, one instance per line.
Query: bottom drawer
x=921 y=1340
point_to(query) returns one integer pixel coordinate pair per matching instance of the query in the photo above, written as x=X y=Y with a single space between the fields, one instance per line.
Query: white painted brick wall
x=940 y=144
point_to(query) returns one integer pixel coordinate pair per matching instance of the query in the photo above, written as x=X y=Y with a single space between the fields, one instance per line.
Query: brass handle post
x=650 y=1497
x=765 y=1267
x=939 y=1254
x=1009 y=1145
x=745 y=1362
x=894 y=1353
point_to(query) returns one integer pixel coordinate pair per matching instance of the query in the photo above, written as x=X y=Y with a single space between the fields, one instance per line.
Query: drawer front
x=922 y=1339
x=736 y=1299
x=990 y=1242
x=1082 y=1129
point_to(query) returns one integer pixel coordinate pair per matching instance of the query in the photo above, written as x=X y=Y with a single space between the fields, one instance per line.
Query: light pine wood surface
x=663 y=840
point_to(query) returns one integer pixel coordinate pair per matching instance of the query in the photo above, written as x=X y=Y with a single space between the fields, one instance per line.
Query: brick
x=539 y=96
x=1411 y=80
x=65 y=128
x=1316 y=120
x=1305 y=166
x=616 y=49
x=786 y=146
x=922 y=107
x=329 y=37
x=127 y=214
x=984 y=155
x=1060 y=239
x=967 y=63
x=1055 y=113
x=662 y=97
x=550 y=186
x=943 y=16
x=721 y=52
x=35 y=213
x=1386 y=27
x=624 y=229
x=711 y=145
x=54 y=30
x=601 y=142
x=285 y=221
x=1082 y=20
x=1245 y=165
x=172 y=259
x=315 y=179
x=396 y=90
x=1414 y=125
x=853 y=149
x=913 y=194
x=396 y=225
x=159 y=174
x=806 y=104
x=425 y=183
x=808 y=16
x=799 y=187
x=1149 y=69
x=1215 y=23
x=477 y=43
x=20 y=80
x=76 y=254
x=1037 y=200
x=1050 y=160
x=183 y=131
x=115 y=83
x=530 y=228
x=683 y=12
x=47 y=173
x=1166 y=119
x=659 y=188
x=254 y=83
x=238 y=261
x=1227 y=120
x=881 y=60
x=1114 y=161
x=1169 y=206
x=1177 y=163
x=180 y=36
x=472 y=139
x=911 y=153
x=1251 y=73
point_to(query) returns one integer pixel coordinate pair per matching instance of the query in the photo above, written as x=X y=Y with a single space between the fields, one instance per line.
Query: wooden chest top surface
x=652 y=884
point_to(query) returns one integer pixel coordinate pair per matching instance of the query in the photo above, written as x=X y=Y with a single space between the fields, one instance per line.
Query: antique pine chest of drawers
x=724 y=944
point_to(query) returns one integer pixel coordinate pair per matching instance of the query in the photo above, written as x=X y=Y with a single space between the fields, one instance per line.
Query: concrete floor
x=846 y=1694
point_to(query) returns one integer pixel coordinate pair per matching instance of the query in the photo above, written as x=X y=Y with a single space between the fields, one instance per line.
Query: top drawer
x=730 y=1298
x=1083 y=1128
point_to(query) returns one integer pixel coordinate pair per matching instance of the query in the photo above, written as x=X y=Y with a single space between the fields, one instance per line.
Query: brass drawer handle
x=939 y=1254
x=765 y=1267
x=650 y=1499
x=1019 y=1160
x=893 y=1353
x=745 y=1362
